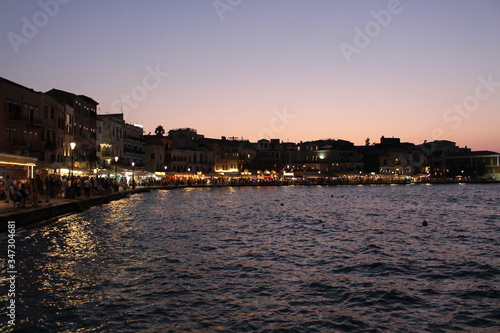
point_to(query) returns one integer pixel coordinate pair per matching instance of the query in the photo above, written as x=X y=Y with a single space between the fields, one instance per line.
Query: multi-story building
x=230 y=156
x=154 y=148
x=21 y=122
x=474 y=164
x=133 y=145
x=393 y=157
x=21 y=130
x=435 y=153
x=110 y=139
x=326 y=158
x=54 y=117
x=84 y=126
x=268 y=156
x=69 y=114
x=187 y=152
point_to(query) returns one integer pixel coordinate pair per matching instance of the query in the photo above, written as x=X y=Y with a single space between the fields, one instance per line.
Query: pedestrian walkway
x=9 y=209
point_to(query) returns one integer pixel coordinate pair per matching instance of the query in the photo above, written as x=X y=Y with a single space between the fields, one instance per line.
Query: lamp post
x=133 y=181
x=116 y=167
x=72 y=146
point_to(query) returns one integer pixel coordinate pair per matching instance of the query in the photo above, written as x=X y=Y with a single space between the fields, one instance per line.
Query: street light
x=116 y=166
x=72 y=145
x=133 y=181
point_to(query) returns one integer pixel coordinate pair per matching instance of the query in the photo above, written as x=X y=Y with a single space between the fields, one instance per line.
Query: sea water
x=265 y=259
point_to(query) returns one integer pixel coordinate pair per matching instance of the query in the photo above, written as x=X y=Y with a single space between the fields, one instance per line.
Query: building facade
x=154 y=149
x=133 y=145
x=110 y=139
x=84 y=126
x=21 y=121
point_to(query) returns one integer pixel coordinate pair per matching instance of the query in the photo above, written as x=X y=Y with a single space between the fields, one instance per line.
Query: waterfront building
x=477 y=165
x=21 y=122
x=54 y=117
x=84 y=126
x=38 y=125
x=154 y=158
x=110 y=139
x=436 y=153
x=231 y=156
x=327 y=158
x=133 y=145
x=69 y=114
x=268 y=156
x=186 y=152
x=391 y=157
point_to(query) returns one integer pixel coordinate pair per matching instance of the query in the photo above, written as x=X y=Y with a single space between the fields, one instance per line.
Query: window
x=31 y=115
x=152 y=156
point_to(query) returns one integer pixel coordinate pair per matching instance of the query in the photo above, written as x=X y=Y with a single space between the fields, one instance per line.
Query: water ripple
x=349 y=259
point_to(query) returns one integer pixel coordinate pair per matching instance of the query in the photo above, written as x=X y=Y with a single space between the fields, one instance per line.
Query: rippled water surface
x=264 y=259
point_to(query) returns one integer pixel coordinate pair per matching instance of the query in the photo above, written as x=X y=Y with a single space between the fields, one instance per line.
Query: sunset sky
x=288 y=69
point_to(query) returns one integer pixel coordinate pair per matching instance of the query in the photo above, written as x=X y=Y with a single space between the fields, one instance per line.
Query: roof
x=64 y=96
x=473 y=154
x=4 y=80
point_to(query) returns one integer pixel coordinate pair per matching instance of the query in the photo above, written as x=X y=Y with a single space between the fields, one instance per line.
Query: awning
x=9 y=159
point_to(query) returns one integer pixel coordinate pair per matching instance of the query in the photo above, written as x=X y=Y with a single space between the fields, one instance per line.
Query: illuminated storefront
x=20 y=167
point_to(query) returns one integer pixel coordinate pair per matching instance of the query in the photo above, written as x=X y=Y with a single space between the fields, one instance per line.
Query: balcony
x=30 y=119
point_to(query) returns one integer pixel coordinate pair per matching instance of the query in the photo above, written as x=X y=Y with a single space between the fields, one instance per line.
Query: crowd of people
x=41 y=189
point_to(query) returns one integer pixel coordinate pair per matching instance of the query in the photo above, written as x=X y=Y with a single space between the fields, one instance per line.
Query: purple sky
x=288 y=69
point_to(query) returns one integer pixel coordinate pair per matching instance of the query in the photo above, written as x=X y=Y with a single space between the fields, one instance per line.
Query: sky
x=295 y=70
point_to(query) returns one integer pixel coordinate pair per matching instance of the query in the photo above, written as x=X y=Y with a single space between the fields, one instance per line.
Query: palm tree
x=159 y=130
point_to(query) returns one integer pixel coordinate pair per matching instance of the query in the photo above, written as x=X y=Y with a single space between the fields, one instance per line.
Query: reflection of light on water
x=70 y=260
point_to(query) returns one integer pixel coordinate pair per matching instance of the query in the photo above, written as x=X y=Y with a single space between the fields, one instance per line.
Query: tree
x=367 y=142
x=159 y=130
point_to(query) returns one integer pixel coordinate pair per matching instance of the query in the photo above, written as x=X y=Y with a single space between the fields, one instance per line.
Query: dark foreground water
x=345 y=258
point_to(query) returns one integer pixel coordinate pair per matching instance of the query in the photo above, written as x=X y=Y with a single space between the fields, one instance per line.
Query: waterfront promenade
x=56 y=207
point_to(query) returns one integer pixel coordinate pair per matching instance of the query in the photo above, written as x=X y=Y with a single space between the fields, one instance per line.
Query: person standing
x=86 y=189
x=39 y=188
x=8 y=185
x=46 y=188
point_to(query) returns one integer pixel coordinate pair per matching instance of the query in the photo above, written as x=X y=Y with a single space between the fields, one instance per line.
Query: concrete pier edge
x=32 y=216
